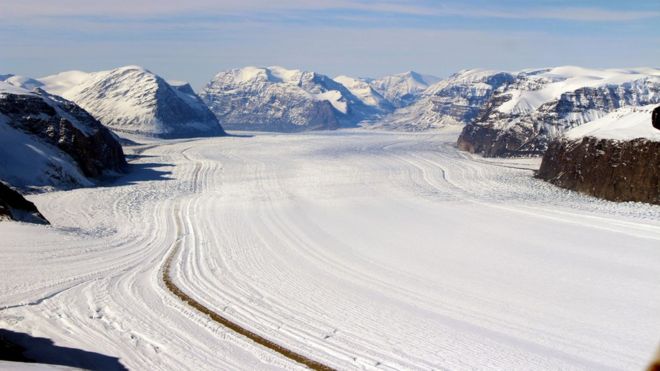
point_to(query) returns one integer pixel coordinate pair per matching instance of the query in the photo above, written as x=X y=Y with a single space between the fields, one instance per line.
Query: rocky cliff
x=46 y=140
x=616 y=170
x=14 y=206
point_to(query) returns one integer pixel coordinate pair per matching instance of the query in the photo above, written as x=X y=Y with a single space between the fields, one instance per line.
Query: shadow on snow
x=21 y=347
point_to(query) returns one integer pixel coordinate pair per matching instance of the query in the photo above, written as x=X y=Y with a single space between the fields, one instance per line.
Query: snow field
x=359 y=249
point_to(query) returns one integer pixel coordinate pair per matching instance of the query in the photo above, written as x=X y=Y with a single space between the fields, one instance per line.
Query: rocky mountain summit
x=49 y=142
x=134 y=100
x=278 y=99
x=523 y=115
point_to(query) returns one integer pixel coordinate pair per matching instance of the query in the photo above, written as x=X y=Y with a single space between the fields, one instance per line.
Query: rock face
x=492 y=142
x=611 y=169
x=47 y=141
x=656 y=118
x=523 y=115
x=277 y=99
x=14 y=206
x=456 y=100
x=134 y=100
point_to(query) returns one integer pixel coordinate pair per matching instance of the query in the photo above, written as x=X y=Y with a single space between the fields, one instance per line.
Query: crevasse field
x=358 y=249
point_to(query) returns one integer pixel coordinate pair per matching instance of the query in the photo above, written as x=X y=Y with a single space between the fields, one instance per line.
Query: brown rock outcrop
x=611 y=169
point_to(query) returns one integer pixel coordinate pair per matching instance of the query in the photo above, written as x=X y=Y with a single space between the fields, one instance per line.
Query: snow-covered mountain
x=278 y=99
x=132 y=99
x=49 y=142
x=366 y=93
x=456 y=100
x=523 y=115
x=402 y=89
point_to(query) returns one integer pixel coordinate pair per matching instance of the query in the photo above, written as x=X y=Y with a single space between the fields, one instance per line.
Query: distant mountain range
x=280 y=99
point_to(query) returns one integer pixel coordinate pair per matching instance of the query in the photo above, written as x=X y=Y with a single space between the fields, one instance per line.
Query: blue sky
x=195 y=39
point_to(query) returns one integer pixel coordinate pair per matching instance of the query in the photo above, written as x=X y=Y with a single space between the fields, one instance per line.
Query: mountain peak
x=133 y=99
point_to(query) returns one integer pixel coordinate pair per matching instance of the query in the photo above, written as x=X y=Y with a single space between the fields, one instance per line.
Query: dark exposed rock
x=68 y=127
x=656 y=118
x=15 y=207
x=492 y=142
x=610 y=169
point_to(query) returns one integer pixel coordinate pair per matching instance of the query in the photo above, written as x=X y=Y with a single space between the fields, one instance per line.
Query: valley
x=358 y=249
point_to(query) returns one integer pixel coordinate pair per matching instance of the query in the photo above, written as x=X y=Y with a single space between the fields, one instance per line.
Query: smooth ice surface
x=360 y=249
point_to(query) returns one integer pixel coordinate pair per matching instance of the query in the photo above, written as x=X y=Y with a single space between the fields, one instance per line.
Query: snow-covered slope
x=27 y=83
x=523 y=115
x=49 y=142
x=623 y=124
x=132 y=99
x=366 y=93
x=456 y=100
x=278 y=99
x=404 y=88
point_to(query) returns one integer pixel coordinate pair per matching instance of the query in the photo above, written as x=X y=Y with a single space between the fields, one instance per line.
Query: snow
x=26 y=162
x=360 y=249
x=177 y=83
x=363 y=91
x=9 y=88
x=399 y=88
x=567 y=79
x=335 y=98
x=62 y=83
x=468 y=76
x=282 y=74
x=121 y=104
x=21 y=81
x=22 y=366
x=133 y=99
x=275 y=74
x=626 y=123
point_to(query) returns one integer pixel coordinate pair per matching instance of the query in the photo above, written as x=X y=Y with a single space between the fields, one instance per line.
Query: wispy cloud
x=11 y=9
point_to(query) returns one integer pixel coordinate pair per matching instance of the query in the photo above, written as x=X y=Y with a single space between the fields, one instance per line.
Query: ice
x=359 y=249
